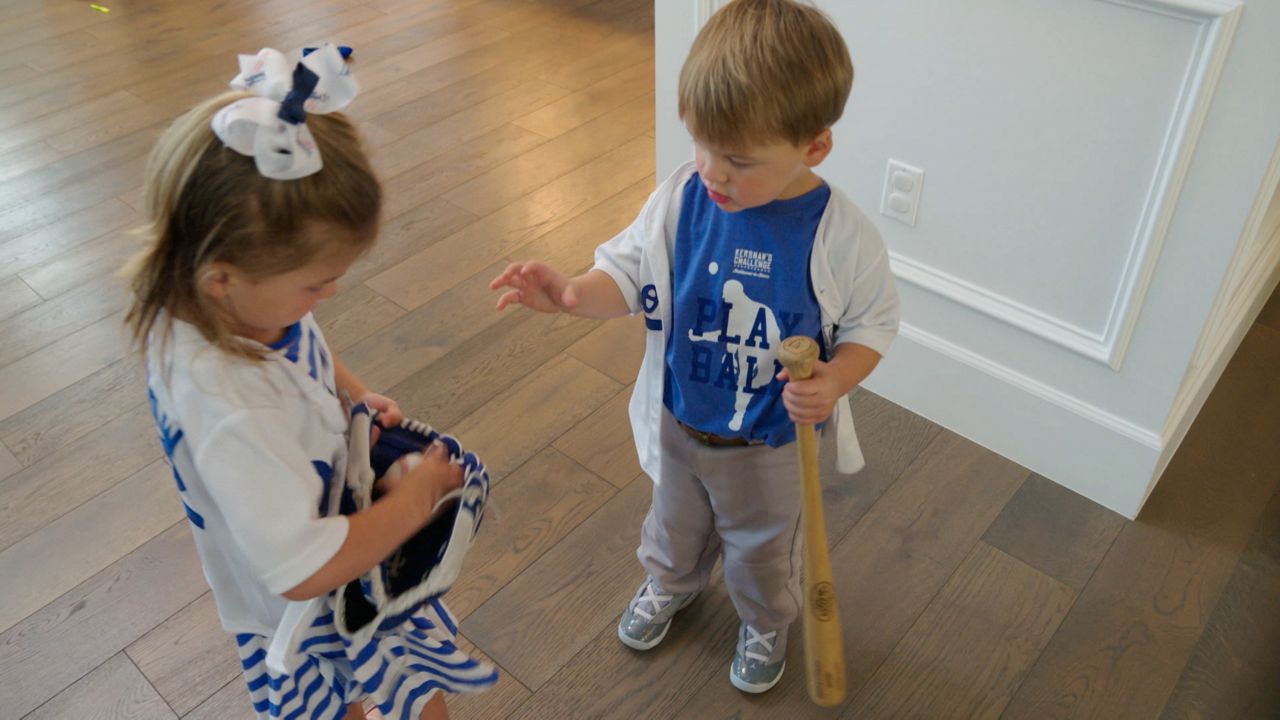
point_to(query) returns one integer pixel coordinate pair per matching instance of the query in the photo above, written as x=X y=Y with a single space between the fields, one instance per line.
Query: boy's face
x=758 y=174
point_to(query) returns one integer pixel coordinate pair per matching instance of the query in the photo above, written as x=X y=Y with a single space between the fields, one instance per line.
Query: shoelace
x=765 y=641
x=658 y=602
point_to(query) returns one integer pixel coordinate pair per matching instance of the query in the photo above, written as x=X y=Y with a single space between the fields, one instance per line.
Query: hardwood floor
x=505 y=129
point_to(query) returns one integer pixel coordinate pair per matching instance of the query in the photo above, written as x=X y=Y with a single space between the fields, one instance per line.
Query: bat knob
x=798 y=354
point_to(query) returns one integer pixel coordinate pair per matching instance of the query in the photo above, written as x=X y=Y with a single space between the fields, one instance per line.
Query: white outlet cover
x=902 y=186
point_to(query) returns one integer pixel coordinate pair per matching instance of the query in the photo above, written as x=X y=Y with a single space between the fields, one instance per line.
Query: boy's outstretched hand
x=535 y=286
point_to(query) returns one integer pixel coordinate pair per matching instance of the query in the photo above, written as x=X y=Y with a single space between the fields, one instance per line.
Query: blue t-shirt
x=740 y=285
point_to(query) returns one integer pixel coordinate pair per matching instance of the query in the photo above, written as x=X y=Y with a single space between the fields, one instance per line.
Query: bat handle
x=798 y=354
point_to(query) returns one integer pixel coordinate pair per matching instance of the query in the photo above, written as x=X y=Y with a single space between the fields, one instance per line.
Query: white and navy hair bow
x=272 y=128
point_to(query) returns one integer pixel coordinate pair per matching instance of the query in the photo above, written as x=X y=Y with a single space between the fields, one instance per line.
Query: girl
x=245 y=392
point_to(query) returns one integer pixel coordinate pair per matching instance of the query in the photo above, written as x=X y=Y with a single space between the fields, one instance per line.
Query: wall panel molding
x=1114 y=423
x=1215 y=22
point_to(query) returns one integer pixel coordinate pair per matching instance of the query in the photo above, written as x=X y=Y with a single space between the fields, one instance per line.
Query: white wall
x=1092 y=168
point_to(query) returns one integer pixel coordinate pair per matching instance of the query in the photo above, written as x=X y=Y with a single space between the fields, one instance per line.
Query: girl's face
x=263 y=308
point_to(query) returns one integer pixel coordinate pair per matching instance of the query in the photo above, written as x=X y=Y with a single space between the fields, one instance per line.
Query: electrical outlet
x=902 y=186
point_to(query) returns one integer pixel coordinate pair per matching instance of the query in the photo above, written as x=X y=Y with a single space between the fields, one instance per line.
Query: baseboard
x=1081 y=447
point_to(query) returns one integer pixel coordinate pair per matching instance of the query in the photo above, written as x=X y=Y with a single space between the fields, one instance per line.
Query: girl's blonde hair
x=764 y=71
x=206 y=203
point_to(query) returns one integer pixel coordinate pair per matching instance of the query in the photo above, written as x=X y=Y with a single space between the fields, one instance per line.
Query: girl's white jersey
x=258 y=452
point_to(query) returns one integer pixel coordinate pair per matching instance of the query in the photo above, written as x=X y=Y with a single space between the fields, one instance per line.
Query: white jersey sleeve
x=859 y=266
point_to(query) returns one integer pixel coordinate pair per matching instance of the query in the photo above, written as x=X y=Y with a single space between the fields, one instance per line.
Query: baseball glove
x=426 y=565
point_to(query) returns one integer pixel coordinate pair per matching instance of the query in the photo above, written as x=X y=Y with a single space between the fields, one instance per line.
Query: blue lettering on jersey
x=325 y=471
x=649 y=303
x=170 y=435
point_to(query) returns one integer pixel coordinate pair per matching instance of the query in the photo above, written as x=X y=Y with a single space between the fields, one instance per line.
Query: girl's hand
x=389 y=413
x=535 y=286
x=427 y=482
x=810 y=401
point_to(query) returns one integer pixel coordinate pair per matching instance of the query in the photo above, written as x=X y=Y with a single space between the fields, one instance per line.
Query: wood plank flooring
x=507 y=129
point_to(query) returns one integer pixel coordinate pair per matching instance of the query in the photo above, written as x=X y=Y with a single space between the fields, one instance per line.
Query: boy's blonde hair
x=763 y=71
x=206 y=203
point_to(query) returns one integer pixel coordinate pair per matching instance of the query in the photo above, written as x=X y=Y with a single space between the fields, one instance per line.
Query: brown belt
x=713 y=440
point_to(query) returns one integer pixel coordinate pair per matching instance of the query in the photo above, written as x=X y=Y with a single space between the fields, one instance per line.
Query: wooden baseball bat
x=823 y=641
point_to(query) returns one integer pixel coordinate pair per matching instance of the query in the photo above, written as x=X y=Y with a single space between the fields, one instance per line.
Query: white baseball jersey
x=848 y=270
x=258 y=452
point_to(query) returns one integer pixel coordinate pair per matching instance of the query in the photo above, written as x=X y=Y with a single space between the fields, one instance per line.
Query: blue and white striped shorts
x=399 y=671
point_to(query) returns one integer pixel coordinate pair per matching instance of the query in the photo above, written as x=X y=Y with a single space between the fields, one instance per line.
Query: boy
x=731 y=254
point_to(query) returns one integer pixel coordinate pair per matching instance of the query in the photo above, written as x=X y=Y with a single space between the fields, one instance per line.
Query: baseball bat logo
x=823 y=601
